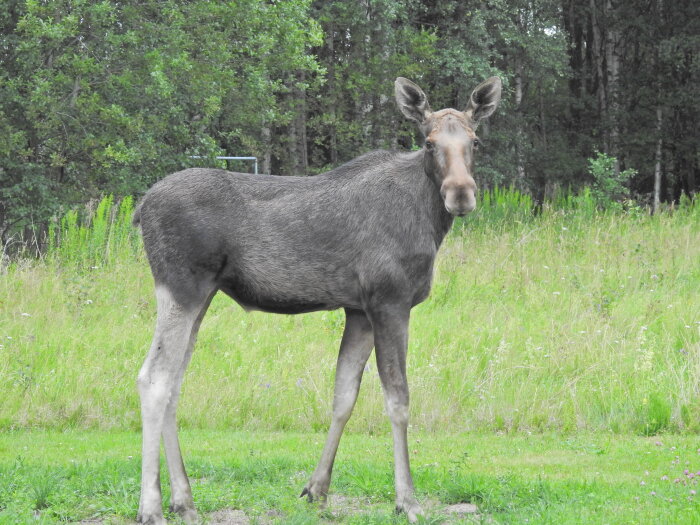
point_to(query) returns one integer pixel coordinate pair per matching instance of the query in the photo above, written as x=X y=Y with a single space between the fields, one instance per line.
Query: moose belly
x=292 y=295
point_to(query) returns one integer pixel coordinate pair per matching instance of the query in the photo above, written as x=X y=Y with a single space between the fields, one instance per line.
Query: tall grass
x=94 y=236
x=563 y=317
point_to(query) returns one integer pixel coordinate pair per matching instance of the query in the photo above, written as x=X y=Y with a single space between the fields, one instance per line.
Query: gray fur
x=362 y=237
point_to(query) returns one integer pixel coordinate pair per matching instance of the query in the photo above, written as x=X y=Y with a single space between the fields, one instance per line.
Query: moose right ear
x=411 y=100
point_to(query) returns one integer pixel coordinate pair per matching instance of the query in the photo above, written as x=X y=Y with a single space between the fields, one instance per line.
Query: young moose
x=362 y=237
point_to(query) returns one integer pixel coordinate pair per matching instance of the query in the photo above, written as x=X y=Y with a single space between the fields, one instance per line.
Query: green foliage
x=107 y=97
x=610 y=186
x=99 y=236
x=655 y=415
x=104 y=97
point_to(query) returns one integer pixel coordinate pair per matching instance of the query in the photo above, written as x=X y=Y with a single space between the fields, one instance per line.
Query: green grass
x=50 y=477
x=568 y=320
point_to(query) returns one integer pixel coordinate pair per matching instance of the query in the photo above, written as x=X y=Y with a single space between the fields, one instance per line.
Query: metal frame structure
x=255 y=159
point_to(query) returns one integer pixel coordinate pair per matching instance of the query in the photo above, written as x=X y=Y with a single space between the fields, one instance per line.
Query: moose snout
x=460 y=199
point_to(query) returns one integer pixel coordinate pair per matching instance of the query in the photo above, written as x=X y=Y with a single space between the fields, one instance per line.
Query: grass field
x=552 y=344
x=49 y=477
x=570 y=320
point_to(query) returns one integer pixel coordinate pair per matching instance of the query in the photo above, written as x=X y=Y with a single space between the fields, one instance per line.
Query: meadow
x=570 y=336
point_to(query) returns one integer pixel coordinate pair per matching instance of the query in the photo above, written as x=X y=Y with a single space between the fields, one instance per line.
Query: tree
x=108 y=97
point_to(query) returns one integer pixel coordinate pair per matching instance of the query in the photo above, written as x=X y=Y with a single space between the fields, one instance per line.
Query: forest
x=101 y=98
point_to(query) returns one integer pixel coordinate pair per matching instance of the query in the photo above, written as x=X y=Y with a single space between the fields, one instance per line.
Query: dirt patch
x=340 y=505
x=228 y=517
x=462 y=508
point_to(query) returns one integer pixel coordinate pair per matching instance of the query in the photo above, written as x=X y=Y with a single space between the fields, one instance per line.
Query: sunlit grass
x=52 y=477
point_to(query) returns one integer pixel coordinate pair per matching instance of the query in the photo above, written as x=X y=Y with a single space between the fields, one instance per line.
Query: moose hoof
x=411 y=509
x=186 y=513
x=315 y=492
x=151 y=519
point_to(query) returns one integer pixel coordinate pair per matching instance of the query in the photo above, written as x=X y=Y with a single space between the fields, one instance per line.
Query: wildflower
x=653 y=493
x=692 y=492
x=642 y=482
x=658 y=444
x=89 y=301
x=556 y=293
x=664 y=478
x=686 y=471
x=24 y=314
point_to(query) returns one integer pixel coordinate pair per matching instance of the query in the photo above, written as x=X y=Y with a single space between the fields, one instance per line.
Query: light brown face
x=450 y=141
x=450 y=145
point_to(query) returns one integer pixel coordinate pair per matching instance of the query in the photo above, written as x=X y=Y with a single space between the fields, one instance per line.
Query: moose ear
x=484 y=100
x=411 y=100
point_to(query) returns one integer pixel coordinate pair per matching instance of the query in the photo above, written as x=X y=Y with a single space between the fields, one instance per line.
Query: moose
x=362 y=237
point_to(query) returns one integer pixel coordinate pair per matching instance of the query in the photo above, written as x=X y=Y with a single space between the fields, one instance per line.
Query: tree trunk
x=332 y=128
x=613 y=50
x=519 y=155
x=297 y=131
x=657 y=166
x=267 y=152
x=599 y=79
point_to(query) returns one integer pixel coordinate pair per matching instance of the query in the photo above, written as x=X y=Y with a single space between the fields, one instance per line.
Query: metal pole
x=254 y=159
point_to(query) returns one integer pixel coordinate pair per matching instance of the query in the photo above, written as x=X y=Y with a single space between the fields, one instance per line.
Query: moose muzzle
x=459 y=195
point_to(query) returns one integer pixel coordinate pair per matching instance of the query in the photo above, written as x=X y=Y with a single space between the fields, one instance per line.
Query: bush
x=609 y=186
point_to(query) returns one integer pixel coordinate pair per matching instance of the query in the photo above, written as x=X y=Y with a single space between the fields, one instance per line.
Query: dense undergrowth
x=560 y=317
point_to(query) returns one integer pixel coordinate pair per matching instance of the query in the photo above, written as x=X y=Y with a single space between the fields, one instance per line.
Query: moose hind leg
x=181 y=500
x=355 y=348
x=391 y=341
x=156 y=382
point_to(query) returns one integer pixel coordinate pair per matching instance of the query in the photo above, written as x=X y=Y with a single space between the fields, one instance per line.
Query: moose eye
x=429 y=145
x=476 y=143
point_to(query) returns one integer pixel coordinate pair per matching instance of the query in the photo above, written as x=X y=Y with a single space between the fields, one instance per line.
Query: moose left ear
x=484 y=100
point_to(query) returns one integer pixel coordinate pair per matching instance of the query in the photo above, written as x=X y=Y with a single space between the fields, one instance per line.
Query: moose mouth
x=461 y=211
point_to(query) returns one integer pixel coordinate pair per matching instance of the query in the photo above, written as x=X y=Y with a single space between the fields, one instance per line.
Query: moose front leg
x=391 y=342
x=355 y=348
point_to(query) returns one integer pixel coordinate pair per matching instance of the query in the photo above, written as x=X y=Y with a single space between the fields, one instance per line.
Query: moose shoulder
x=362 y=237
